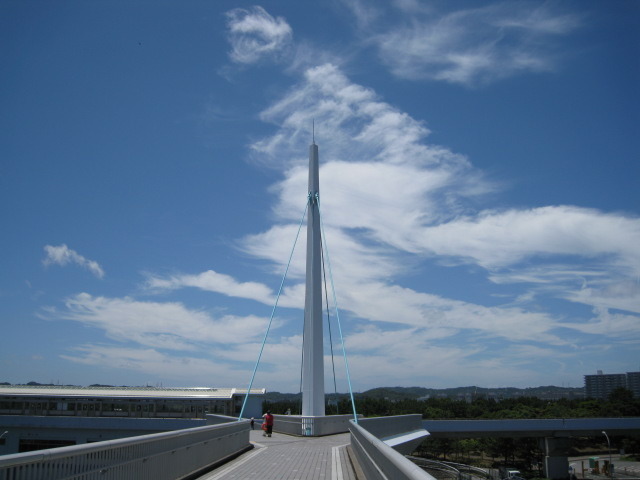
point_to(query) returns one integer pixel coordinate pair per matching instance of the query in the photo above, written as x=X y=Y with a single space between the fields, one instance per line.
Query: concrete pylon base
x=312 y=426
x=556 y=461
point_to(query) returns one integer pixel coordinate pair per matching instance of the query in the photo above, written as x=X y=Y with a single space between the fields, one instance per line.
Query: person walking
x=268 y=424
x=253 y=421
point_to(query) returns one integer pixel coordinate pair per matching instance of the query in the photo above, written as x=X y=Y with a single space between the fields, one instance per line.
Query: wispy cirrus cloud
x=366 y=143
x=471 y=46
x=619 y=293
x=63 y=255
x=365 y=13
x=622 y=327
x=255 y=35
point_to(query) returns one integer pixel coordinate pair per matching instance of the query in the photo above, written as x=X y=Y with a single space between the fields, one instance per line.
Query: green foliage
x=282 y=407
x=631 y=444
x=623 y=404
x=523 y=453
x=401 y=401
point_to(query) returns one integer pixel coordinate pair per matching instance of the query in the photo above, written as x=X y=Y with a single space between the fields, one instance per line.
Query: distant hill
x=549 y=392
x=545 y=392
x=462 y=393
x=283 y=397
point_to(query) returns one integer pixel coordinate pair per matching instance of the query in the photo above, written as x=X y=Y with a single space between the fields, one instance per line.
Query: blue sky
x=479 y=188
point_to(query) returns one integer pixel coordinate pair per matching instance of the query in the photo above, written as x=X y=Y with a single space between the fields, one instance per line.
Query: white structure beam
x=312 y=347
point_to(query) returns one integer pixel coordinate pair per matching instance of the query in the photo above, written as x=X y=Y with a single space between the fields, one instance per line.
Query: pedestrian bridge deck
x=286 y=457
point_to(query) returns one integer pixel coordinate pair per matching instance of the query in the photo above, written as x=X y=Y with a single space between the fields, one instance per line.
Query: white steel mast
x=312 y=346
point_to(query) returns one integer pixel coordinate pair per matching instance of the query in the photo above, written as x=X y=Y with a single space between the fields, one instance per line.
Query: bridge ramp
x=285 y=457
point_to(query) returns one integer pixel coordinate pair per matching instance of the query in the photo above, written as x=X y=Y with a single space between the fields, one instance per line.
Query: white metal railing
x=159 y=456
x=377 y=459
x=311 y=426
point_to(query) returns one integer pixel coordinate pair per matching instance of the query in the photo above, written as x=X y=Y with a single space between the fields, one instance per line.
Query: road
x=622 y=469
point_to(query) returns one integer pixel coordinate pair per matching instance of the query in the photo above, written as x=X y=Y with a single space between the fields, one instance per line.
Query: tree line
x=621 y=403
x=525 y=453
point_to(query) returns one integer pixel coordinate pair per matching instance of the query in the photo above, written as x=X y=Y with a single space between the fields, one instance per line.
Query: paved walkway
x=285 y=457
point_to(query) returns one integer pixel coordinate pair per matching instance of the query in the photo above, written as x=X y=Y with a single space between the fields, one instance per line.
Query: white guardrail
x=377 y=459
x=311 y=426
x=159 y=456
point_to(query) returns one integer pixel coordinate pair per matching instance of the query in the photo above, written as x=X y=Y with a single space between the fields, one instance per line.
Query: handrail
x=166 y=455
x=379 y=461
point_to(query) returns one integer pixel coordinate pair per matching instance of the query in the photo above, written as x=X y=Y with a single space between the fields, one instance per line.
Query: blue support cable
x=264 y=341
x=335 y=302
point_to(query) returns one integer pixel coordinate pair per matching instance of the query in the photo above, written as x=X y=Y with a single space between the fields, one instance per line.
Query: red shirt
x=268 y=419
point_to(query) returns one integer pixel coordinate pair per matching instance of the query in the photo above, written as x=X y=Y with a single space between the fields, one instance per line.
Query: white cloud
x=355 y=123
x=392 y=304
x=498 y=239
x=254 y=35
x=378 y=176
x=389 y=199
x=389 y=304
x=474 y=46
x=609 y=285
x=619 y=294
x=625 y=328
x=548 y=274
x=213 y=282
x=364 y=12
x=183 y=370
x=63 y=255
x=385 y=198
x=230 y=366
x=365 y=261
x=503 y=241
x=160 y=325
x=379 y=356
x=292 y=295
x=373 y=156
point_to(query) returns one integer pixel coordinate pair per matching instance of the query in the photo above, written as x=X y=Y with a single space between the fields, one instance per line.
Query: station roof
x=68 y=391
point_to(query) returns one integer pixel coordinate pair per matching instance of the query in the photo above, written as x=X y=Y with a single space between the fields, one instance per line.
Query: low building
x=137 y=402
x=35 y=417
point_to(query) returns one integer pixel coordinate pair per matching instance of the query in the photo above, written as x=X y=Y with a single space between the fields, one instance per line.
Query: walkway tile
x=285 y=457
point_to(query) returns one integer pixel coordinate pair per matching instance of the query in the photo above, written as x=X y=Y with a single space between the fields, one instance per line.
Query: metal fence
x=439 y=470
x=169 y=455
x=451 y=470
